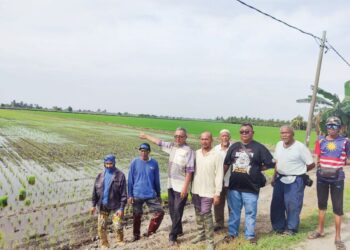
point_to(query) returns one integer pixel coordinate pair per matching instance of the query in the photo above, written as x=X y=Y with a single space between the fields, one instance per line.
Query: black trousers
x=176 y=209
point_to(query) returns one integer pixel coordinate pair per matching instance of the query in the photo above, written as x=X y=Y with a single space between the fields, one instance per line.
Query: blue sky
x=191 y=58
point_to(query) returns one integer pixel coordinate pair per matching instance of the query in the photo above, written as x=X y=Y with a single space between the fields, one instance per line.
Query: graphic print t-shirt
x=246 y=164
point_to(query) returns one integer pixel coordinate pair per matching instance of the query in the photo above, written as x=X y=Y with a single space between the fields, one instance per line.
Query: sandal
x=314 y=235
x=228 y=239
x=339 y=245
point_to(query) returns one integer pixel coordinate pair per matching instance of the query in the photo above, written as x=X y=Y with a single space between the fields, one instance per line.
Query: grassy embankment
x=308 y=223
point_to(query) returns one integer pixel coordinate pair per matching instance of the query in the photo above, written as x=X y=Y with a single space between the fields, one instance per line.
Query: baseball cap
x=145 y=146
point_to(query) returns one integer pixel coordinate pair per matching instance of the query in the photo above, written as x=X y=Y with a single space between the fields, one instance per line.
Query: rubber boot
x=200 y=228
x=120 y=237
x=118 y=227
x=209 y=230
x=155 y=222
x=136 y=226
x=102 y=230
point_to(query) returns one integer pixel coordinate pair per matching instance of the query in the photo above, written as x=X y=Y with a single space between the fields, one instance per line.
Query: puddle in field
x=17 y=133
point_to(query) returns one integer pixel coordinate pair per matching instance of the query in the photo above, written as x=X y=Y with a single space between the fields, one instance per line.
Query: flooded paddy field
x=63 y=156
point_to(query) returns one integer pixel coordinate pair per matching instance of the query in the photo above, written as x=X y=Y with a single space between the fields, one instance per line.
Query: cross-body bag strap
x=246 y=151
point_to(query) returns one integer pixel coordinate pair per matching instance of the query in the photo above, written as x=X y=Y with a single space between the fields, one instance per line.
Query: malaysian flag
x=332 y=153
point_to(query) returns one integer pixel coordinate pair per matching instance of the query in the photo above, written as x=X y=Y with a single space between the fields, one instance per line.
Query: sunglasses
x=179 y=136
x=144 y=150
x=332 y=126
x=244 y=132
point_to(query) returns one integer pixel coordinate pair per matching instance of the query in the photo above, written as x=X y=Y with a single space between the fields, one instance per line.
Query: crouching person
x=144 y=187
x=206 y=188
x=109 y=197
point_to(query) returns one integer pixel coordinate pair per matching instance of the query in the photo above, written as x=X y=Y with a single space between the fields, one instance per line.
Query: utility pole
x=314 y=93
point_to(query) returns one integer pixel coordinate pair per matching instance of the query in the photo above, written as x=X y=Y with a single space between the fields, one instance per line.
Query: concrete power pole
x=315 y=88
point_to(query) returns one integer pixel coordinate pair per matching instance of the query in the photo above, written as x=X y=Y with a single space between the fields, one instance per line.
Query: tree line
x=297 y=122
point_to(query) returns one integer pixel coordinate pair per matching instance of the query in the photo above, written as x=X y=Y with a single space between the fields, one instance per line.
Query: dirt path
x=160 y=240
x=327 y=242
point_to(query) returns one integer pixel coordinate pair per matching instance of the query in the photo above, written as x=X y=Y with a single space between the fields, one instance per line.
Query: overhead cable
x=318 y=39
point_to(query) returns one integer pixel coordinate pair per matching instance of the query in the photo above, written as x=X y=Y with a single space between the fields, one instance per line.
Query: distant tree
x=298 y=123
x=55 y=108
x=70 y=109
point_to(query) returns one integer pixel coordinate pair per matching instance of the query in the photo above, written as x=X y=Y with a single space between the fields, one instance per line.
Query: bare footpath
x=263 y=226
x=327 y=242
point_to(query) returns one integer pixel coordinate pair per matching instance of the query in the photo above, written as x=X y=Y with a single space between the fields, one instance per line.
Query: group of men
x=228 y=171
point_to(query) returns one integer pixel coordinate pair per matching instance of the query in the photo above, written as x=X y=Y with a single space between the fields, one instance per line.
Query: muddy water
x=57 y=215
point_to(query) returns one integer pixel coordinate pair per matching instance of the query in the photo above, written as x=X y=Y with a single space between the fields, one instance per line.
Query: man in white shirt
x=293 y=160
x=219 y=209
x=206 y=188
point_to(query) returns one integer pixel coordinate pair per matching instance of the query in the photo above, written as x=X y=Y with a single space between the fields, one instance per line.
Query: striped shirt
x=181 y=161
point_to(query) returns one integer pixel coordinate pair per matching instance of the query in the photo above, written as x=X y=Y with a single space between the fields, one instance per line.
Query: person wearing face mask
x=109 y=197
x=332 y=154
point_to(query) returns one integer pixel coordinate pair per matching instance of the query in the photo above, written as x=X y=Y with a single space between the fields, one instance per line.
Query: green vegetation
x=22 y=194
x=3 y=201
x=265 y=135
x=31 y=179
x=308 y=223
x=27 y=202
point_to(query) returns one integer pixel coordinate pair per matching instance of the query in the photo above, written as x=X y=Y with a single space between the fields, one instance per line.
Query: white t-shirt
x=223 y=152
x=292 y=160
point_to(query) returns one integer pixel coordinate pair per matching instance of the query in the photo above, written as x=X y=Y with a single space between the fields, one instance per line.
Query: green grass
x=308 y=223
x=265 y=135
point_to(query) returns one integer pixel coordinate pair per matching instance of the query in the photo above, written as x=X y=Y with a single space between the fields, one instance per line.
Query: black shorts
x=337 y=192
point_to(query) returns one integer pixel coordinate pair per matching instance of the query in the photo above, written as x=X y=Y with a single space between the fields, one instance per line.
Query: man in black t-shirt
x=248 y=158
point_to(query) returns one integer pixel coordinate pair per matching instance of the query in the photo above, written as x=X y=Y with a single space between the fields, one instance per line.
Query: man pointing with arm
x=180 y=170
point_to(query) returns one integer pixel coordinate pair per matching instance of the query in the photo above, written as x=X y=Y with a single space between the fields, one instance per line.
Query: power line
x=317 y=39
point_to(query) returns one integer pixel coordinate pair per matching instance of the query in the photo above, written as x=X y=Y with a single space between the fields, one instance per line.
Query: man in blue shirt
x=144 y=187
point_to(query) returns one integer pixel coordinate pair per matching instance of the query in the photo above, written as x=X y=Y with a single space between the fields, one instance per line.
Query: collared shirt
x=181 y=161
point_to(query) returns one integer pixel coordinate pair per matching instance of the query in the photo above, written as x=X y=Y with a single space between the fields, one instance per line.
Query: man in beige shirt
x=206 y=188
x=219 y=209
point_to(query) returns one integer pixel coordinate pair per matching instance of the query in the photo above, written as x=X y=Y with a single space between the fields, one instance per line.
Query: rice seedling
x=22 y=194
x=31 y=179
x=3 y=201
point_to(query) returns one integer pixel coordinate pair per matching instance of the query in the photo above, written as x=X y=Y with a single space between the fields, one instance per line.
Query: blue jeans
x=236 y=200
x=286 y=205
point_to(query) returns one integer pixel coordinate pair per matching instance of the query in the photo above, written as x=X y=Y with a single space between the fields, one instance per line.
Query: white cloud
x=183 y=58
